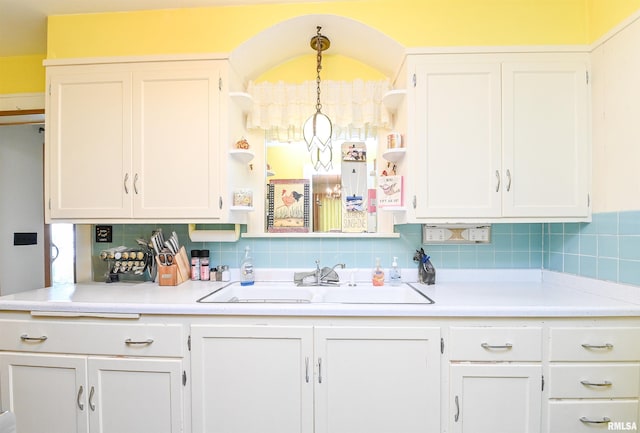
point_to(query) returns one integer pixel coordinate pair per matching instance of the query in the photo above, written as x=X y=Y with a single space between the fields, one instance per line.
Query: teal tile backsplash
x=608 y=248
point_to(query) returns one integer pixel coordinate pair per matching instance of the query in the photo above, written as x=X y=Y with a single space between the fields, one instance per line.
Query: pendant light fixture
x=317 y=130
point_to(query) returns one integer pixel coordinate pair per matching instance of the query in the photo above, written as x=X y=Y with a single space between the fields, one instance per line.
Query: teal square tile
x=502 y=242
x=504 y=259
x=589 y=228
x=629 y=223
x=556 y=262
x=521 y=260
x=607 y=223
x=629 y=272
x=608 y=246
x=572 y=243
x=486 y=260
x=468 y=259
x=588 y=266
x=588 y=245
x=608 y=269
x=556 y=228
x=521 y=242
x=572 y=264
x=536 y=260
x=556 y=243
x=502 y=228
x=630 y=247
x=521 y=228
x=571 y=228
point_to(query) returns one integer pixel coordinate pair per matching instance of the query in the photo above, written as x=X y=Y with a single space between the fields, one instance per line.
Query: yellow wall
x=334 y=67
x=410 y=22
x=22 y=74
x=603 y=15
x=413 y=23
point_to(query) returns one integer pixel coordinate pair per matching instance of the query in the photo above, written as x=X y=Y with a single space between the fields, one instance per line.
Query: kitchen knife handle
x=126 y=180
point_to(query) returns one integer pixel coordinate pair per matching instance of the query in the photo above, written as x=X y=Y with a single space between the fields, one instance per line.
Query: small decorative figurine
x=426 y=271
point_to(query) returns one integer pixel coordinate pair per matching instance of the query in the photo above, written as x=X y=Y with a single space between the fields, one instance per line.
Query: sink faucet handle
x=318 y=264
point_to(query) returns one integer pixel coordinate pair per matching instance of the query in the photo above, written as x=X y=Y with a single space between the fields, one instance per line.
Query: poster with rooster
x=288 y=206
x=389 y=192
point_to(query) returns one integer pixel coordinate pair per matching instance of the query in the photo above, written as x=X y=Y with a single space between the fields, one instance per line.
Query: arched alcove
x=290 y=39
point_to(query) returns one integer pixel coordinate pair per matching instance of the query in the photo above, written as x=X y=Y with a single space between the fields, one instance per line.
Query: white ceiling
x=23 y=24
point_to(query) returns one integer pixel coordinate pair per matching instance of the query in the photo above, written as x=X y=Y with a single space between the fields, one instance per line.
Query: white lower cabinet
x=594 y=379
x=495 y=398
x=338 y=379
x=68 y=394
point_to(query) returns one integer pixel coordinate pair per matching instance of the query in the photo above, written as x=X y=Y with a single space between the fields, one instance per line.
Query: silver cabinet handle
x=25 y=337
x=456 y=417
x=604 y=420
x=415 y=201
x=220 y=202
x=604 y=383
x=506 y=346
x=319 y=370
x=498 y=180
x=126 y=180
x=135 y=183
x=508 y=180
x=92 y=405
x=306 y=369
x=79 y=397
x=606 y=346
x=130 y=342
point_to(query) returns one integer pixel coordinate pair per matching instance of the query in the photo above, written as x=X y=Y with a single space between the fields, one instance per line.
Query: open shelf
x=395 y=154
x=244 y=100
x=242 y=155
x=393 y=99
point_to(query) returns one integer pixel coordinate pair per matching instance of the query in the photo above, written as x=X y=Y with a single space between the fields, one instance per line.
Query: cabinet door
x=89 y=143
x=497 y=398
x=176 y=154
x=457 y=121
x=135 y=396
x=546 y=148
x=252 y=379
x=377 y=380
x=46 y=392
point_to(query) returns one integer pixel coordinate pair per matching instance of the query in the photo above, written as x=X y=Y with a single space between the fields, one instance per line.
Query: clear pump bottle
x=395 y=277
x=247 y=276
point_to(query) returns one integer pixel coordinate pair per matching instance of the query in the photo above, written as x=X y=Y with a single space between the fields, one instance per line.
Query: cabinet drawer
x=566 y=416
x=595 y=344
x=496 y=344
x=92 y=338
x=594 y=381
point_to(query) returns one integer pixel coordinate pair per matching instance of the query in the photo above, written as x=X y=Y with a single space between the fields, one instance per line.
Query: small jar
x=226 y=274
x=195 y=265
x=204 y=265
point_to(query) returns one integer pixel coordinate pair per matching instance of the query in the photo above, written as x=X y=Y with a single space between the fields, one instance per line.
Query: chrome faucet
x=320 y=276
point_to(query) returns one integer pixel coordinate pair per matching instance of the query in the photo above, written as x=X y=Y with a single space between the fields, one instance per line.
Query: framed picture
x=354 y=151
x=288 y=206
x=390 y=191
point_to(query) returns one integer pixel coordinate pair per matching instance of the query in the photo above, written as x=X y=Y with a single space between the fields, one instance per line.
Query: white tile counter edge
x=457 y=293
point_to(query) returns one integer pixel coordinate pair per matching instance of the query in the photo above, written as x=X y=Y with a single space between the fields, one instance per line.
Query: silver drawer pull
x=130 y=342
x=587 y=383
x=606 y=346
x=79 y=398
x=92 y=404
x=604 y=420
x=506 y=346
x=25 y=337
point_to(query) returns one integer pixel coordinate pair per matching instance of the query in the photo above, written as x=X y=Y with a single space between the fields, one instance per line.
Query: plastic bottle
x=377 y=277
x=247 y=277
x=395 y=278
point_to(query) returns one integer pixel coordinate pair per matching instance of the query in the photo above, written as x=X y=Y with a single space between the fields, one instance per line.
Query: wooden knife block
x=177 y=273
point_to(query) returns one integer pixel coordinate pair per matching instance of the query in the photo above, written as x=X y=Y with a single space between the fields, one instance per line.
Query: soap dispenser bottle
x=247 y=277
x=395 y=278
x=377 y=276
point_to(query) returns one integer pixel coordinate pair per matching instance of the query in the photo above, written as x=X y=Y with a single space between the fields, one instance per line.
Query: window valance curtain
x=354 y=107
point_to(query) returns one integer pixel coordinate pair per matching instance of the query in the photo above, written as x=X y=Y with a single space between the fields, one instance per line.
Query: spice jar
x=204 y=265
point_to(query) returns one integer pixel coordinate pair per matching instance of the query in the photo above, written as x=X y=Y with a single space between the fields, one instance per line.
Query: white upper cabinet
x=135 y=141
x=498 y=136
x=89 y=142
x=545 y=159
x=457 y=124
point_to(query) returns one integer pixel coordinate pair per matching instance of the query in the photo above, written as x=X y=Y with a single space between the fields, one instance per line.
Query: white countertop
x=469 y=293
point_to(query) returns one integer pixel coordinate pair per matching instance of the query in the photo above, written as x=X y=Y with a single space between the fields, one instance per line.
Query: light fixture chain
x=318 y=67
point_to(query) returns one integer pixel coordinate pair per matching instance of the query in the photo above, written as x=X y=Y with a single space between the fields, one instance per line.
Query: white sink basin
x=288 y=292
